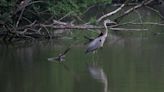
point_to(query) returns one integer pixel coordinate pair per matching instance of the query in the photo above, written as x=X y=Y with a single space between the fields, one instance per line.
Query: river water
x=128 y=62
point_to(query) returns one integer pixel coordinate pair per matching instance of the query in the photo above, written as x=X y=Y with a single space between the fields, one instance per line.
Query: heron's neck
x=106 y=30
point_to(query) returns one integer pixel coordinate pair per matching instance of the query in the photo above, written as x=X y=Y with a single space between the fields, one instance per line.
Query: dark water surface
x=131 y=64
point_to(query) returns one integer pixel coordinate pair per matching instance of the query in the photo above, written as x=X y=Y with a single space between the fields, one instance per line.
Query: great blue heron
x=60 y=57
x=99 y=41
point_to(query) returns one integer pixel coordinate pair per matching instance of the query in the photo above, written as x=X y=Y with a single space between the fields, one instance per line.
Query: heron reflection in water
x=98 y=74
x=99 y=41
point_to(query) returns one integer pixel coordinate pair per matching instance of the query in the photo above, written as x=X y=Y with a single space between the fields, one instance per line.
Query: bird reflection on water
x=97 y=73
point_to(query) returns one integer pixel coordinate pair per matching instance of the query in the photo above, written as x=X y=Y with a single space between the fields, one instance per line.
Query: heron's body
x=99 y=41
x=95 y=44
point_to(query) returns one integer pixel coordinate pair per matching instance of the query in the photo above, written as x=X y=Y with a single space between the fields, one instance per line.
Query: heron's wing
x=93 y=45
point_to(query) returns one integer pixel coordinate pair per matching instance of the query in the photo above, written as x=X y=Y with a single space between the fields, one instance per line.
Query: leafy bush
x=77 y=7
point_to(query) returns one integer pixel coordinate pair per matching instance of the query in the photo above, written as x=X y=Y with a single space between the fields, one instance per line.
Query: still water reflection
x=131 y=64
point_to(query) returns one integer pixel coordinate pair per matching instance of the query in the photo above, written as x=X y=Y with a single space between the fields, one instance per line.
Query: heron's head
x=108 y=22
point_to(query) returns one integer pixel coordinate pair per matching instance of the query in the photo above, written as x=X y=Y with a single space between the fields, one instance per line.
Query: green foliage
x=6 y=8
x=93 y=20
x=57 y=8
x=63 y=7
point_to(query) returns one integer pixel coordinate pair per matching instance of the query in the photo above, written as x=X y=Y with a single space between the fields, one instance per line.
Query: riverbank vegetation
x=31 y=19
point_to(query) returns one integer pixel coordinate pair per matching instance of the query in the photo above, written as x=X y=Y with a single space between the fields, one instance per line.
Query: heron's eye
x=100 y=40
x=108 y=24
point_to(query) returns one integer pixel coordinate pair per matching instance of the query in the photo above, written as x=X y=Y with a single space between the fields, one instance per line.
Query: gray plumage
x=93 y=45
x=99 y=41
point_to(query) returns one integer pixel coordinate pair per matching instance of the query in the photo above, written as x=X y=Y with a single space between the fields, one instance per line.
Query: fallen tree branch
x=139 y=15
x=33 y=30
x=83 y=27
x=113 y=12
x=59 y=22
x=22 y=5
x=132 y=23
x=47 y=31
x=20 y=16
x=145 y=2
x=147 y=23
x=63 y=26
x=156 y=11
x=68 y=14
x=125 y=29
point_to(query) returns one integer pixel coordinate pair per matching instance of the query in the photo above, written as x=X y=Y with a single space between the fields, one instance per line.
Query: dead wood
x=145 y=2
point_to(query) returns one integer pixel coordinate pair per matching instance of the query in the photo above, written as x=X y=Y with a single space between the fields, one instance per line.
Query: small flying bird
x=60 y=57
